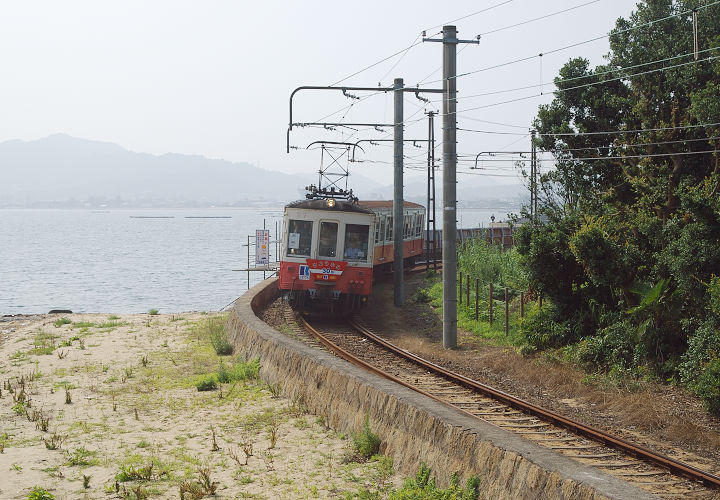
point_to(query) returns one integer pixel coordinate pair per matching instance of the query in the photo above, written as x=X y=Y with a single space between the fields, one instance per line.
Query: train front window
x=356 y=242
x=299 y=238
x=328 y=239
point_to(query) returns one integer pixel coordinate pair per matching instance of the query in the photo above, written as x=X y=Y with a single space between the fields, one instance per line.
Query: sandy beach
x=107 y=406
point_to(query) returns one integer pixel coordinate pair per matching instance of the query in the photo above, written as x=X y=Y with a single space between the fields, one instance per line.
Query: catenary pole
x=449 y=244
x=398 y=268
x=449 y=154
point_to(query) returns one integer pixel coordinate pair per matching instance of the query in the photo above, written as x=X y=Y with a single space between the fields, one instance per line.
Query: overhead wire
x=559 y=49
x=538 y=18
x=576 y=87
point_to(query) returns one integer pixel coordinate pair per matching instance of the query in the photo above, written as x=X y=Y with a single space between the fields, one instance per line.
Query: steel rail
x=633 y=449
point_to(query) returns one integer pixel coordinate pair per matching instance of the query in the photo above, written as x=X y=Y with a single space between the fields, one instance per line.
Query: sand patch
x=116 y=397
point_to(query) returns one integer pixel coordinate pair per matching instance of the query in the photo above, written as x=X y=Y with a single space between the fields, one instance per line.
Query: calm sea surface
x=129 y=261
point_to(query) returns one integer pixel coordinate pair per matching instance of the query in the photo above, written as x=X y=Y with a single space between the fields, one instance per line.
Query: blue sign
x=304 y=273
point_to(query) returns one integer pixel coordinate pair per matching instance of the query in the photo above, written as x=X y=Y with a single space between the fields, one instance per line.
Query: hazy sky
x=214 y=77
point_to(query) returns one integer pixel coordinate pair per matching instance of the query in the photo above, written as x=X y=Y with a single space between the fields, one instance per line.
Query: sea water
x=131 y=261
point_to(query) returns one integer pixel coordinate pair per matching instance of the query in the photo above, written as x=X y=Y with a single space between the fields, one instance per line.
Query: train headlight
x=330 y=202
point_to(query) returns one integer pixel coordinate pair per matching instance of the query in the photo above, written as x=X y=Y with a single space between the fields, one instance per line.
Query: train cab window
x=421 y=223
x=380 y=231
x=299 y=238
x=407 y=220
x=328 y=239
x=356 y=242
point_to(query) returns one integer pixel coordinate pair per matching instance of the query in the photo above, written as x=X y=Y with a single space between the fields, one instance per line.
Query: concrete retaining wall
x=413 y=428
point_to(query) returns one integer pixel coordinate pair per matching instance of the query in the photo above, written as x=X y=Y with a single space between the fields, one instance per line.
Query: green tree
x=632 y=231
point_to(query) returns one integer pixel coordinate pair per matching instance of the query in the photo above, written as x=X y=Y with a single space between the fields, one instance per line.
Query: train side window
x=389 y=233
x=328 y=239
x=356 y=242
x=299 y=238
x=381 y=235
x=421 y=223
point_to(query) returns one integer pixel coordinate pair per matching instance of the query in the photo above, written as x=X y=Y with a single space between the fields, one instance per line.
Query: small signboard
x=304 y=273
x=262 y=247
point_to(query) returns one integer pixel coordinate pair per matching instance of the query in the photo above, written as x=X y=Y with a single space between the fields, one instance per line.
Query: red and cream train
x=332 y=248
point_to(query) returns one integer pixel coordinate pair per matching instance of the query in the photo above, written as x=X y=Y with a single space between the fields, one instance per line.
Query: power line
x=565 y=80
x=589 y=84
x=469 y=15
x=522 y=59
x=602 y=158
x=414 y=44
x=590 y=148
x=538 y=18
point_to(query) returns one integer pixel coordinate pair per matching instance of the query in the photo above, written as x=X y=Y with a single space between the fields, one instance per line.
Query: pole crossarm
x=493 y=153
x=416 y=90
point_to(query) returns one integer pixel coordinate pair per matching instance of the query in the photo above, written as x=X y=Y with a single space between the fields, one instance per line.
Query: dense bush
x=489 y=263
x=422 y=486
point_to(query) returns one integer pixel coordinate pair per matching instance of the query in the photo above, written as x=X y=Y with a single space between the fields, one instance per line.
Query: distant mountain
x=64 y=171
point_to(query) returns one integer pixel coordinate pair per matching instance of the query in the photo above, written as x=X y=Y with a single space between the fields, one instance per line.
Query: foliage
x=39 y=493
x=214 y=330
x=490 y=264
x=627 y=251
x=422 y=486
x=60 y=322
x=206 y=383
x=365 y=443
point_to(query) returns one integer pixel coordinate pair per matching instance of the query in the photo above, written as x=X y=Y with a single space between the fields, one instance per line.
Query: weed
x=365 y=443
x=143 y=444
x=20 y=408
x=206 y=383
x=132 y=473
x=86 y=481
x=269 y=460
x=81 y=344
x=81 y=456
x=39 y=493
x=153 y=312
x=215 y=446
x=113 y=317
x=68 y=397
x=60 y=322
x=42 y=422
x=272 y=431
x=61 y=354
x=247 y=446
x=144 y=360
x=54 y=441
x=16 y=467
x=274 y=389
x=137 y=417
x=200 y=488
x=44 y=343
x=233 y=454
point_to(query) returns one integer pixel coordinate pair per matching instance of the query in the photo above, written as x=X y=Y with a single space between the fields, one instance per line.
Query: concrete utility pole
x=449 y=245
x=533 y=179
x=398 y=212
x=449 y=187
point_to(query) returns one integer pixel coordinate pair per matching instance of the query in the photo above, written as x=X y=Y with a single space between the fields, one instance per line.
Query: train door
x=328 y=240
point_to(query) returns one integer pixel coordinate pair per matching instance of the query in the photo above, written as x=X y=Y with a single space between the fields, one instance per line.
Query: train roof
x=365 y=207
x=386 y=204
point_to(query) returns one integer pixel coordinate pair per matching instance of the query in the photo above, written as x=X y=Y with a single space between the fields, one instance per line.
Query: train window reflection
x=356 y=242
x=328 y=239
x=299 y=238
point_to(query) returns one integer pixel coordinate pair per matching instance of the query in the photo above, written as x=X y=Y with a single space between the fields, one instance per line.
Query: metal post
x=431 y=244
x=467 y=289
x=449 y=255
x=398 y=228
x=477 y=298
x=491 y=304
x=248 y=264
x=507 y=313
x=533 y=180
x=460 y=286
x=265 y=277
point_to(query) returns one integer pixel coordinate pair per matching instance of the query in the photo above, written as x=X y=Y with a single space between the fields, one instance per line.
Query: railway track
x=651 y=471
